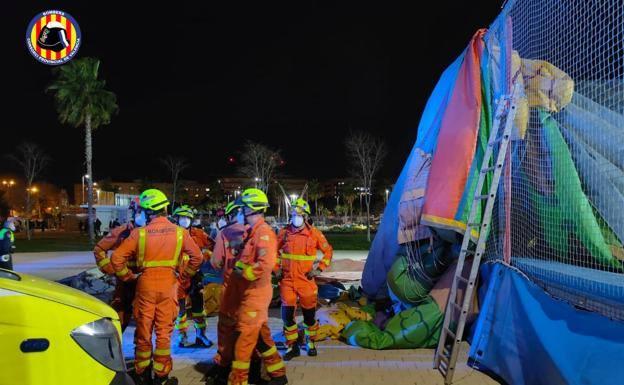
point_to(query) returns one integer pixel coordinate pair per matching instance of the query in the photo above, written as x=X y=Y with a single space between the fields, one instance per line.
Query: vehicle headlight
x=101 y=341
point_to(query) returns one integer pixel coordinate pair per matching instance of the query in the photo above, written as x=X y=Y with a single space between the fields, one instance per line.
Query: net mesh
x=559 y=214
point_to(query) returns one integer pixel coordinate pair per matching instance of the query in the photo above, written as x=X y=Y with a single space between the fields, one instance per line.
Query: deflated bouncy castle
x=550 y=302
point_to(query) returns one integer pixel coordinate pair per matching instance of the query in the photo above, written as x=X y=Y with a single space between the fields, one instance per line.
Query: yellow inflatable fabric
x=333 y=319
x=212 y=298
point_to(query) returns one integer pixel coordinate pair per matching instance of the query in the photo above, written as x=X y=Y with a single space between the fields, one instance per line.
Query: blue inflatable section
x=385 y=246
x=525 y=336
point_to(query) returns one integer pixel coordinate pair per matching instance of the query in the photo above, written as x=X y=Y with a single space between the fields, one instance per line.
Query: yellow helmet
x=253 y=198
x=153 y=199
x=184 y=211
x=230 y=207
x=301 y=205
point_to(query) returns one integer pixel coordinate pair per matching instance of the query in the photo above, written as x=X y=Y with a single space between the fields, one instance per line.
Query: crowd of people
x=158 y=260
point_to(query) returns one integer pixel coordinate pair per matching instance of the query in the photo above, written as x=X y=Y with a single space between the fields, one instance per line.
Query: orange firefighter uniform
x=156 y=250
x=298 y=249
x=227 y=248
x=250 y=286
x=193 y=289
x=124 y=291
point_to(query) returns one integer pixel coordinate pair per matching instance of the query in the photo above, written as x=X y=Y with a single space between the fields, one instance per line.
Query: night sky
x=197 y=80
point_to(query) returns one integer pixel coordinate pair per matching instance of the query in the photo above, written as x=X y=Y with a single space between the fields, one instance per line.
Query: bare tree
x=366 y=154
x=259 y=162
x=31 y=158
x=175 y=165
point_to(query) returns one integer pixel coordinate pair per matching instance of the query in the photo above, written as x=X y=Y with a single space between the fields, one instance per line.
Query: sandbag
x=418 y=327
x=212 y=298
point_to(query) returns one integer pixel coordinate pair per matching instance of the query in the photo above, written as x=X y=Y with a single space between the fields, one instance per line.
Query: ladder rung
x=460 y=278
x=448 y=331
x=474 y=224
x=456 y=306
x=443 y=358
x=481 y=197
x=498 y=140
x=443 y=368
x=488 y=169
x=468 y=251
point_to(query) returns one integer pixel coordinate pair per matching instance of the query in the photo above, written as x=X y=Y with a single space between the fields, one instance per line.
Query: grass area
x=73 y=241
x=348 y=241
x=52 y=241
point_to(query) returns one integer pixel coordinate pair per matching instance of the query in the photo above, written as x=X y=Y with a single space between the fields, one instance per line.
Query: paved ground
x=337 y=363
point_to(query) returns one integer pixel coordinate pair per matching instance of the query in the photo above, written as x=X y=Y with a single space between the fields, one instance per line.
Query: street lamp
x=83 y=183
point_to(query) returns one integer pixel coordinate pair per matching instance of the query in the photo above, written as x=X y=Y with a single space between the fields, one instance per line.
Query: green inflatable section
x=418 y=327
x=569 y=210
x=412 y=287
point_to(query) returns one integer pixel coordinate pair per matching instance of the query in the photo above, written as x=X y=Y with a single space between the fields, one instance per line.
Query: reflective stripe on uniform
x=275 y=367
x=326 y=261
x=158 y=366
x=247 y=271
x=290 y=328
x=141 y=254
x=196 y=315
x=123 y=272
x=200 y=325
x=103 y=262
x=162 y=352
x=310 y=333
x=160 y=263
x=190 y=271
x=143 y=354
x=272 y=350
x=297 y=257
x=292 y=336
x=143 y=363
x=240 y=365
x=179 y=238
x=165 y=263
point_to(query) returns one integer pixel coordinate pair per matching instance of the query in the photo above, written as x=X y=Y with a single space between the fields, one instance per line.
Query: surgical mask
x=221 y=223
x=296 y=220
x=140 y=219
x=11 y=226
x=240 y=217
x=185 y=222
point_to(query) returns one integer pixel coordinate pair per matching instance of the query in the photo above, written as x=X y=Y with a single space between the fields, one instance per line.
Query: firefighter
x=250 y=284
x=124 y=291
x=298 y=244
x=183 y=216
x=7 y=244
x=229 y=242
x=156 y=249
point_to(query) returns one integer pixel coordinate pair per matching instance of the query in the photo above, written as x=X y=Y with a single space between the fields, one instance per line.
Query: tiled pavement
x=336 y=364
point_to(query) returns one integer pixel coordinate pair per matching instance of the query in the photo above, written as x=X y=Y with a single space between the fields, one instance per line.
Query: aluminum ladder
x=457 y=308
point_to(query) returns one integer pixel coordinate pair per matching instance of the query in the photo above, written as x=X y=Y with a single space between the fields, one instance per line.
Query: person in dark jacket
x=7 y=240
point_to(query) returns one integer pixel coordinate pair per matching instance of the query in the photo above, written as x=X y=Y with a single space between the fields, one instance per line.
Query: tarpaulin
x=525 y=336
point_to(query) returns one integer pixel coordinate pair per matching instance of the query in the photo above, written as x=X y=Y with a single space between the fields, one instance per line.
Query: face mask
x=140 y=219
x=12 y=226
x=221 y=223
x=296 y=220
x=197 y=222
x=240 y=218
x=184 y=222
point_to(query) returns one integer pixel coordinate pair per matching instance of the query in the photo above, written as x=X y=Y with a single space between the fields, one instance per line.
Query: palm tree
x=82 y=100
x=315 y=193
